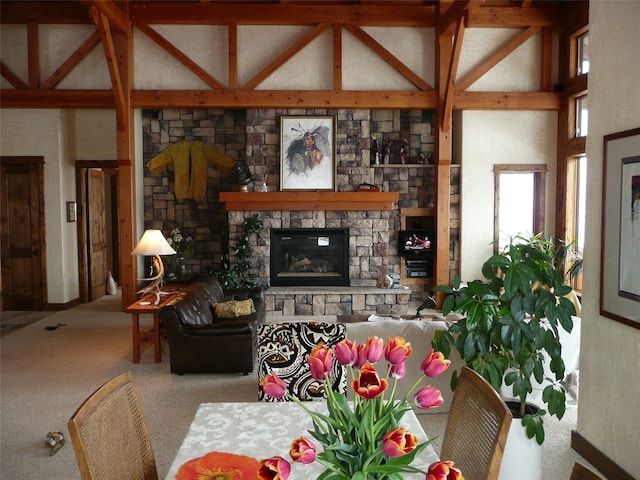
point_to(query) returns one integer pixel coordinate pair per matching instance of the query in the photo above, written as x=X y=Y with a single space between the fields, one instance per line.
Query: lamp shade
x=153 y=243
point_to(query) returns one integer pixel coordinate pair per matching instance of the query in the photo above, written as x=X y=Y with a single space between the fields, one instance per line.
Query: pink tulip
x=273 y=386
x=303 y=450
x=274 y=468
x=398 y=442
x=398 y=371
x=434 y=364
x=397 y=350
x=320 y=362
x=369 y=384
x=375 y=349
x=362 y=355
x=428 y=397
x=346 y=352
x=443 y=470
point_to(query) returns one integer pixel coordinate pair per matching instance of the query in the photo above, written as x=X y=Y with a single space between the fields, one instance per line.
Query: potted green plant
x=510 y=321
x=242 y=272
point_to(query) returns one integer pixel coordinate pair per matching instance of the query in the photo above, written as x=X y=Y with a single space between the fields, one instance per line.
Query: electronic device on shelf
x=417 y=243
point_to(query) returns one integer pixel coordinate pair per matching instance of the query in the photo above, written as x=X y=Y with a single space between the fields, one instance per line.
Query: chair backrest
x=283 y=349
x=477 y=428
x=580 y=472
x=110 y=435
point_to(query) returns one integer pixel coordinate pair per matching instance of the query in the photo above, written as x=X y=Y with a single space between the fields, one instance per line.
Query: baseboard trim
x=55 y=307
x=599 y=460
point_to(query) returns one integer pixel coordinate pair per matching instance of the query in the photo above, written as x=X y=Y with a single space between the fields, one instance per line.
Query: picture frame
x=71 y=212
x=620 y=247
x=309 y=166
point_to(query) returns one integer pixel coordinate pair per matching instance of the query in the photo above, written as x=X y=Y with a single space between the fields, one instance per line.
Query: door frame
x=81 y=200
x=38 y=162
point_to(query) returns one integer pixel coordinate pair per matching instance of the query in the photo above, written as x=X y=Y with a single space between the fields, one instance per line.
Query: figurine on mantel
x=242 y=174
x=375 y=151
x=403 y=151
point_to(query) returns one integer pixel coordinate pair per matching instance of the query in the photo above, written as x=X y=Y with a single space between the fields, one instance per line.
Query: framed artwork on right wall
x=620 y=255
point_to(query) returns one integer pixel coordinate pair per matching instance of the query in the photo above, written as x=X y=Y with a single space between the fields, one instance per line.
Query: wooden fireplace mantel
x=321 y=201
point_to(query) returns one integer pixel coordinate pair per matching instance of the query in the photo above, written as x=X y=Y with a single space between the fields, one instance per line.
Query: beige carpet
x=47 y=374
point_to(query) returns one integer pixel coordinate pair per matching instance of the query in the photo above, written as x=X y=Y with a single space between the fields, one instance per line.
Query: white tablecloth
x=262 y=430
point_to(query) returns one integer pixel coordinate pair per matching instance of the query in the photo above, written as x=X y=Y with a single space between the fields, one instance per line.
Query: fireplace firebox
x=309 y=257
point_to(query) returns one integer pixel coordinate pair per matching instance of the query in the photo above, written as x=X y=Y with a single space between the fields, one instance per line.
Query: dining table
x=265 y=429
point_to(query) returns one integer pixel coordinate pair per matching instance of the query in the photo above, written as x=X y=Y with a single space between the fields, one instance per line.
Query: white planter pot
x=522 y=458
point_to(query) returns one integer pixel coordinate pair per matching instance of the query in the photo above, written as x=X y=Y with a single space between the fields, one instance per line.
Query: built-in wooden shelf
x=321 y=201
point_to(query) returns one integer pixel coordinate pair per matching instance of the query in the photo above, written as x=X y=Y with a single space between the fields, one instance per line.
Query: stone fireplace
x=309 y=257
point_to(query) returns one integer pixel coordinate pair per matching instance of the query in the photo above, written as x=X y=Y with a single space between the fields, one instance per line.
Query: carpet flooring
x=47 y=374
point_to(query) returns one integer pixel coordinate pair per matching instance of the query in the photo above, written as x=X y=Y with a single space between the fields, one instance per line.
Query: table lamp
x=153 y=244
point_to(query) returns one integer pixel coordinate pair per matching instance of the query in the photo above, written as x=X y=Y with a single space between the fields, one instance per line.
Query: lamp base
x=156 y=281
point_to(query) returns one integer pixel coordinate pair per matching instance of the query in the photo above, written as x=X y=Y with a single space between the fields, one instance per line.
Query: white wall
x=489 y=138
x=61 y=137
x=609 y=407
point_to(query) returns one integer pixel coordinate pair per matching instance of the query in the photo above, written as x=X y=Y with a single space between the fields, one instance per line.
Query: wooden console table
x=145 y=305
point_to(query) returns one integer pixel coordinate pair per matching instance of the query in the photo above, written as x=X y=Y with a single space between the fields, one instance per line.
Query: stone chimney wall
x=255 y=133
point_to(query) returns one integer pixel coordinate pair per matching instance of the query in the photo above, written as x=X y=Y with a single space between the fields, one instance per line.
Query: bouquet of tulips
x=363 y=439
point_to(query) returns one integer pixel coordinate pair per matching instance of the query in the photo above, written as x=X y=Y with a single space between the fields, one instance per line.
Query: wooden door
x=22 y=233
x=96 y=222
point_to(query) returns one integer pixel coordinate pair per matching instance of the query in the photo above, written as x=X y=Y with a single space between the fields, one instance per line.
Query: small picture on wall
x=307 y=160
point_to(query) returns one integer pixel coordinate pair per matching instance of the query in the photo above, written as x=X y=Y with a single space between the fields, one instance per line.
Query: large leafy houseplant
x=510 y=320
x=242 y=272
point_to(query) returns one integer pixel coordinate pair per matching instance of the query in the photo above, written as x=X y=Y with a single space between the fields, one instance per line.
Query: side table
x=145 y=305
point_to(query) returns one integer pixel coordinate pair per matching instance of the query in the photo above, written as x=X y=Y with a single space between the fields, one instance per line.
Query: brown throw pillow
x=233 y=308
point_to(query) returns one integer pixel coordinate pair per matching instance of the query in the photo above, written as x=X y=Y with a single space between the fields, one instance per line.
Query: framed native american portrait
x=620 y=256
x=307 y=153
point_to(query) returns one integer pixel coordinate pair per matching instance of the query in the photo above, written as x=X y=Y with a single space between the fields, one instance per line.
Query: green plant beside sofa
x=511 y=319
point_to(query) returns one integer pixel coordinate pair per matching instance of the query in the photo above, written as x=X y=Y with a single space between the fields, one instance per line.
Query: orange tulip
x=399 y=442
x=443 y=471
x=434 y=364
x=320 y=362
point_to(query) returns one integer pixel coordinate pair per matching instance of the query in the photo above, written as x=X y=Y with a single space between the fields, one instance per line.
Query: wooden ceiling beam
x=212 y=13
x=516 y=17
x=175 y=52
x=74 y=59
x=33 y=55
x=500 y=54
x=388 y=57
x=285 y=56
x=62 y=13
x=283 y=99
x=116 y=17
x=12 y=78
x=507 y=101
x=102 y=23
x=24 y=98
x=447 y=106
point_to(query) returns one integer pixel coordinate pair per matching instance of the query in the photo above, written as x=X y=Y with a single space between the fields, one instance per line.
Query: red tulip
x=428 y=397
x=443 y=470
x=274 y=468
x=374 y=350
x=398 y=371
x=346 y=352
x=397 y=350
x=369 y=384
x=320 y=362
x=434 y=364
x=273 y=386
x=398 y=442
x=303 y=450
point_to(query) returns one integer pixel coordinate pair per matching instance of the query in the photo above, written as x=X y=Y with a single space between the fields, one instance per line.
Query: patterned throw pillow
x=233 y=308
x=283 y=349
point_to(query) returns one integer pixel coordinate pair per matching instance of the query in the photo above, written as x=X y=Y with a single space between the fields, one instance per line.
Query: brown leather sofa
x=199 y=342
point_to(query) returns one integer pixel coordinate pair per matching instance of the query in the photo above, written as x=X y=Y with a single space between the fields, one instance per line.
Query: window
x=576 y=213
x=583 y=54
x=582 y=116
x=519 y=201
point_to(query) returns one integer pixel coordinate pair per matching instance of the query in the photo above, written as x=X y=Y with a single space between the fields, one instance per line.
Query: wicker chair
x=580 y=472
x=110 y=436
x=477 y=428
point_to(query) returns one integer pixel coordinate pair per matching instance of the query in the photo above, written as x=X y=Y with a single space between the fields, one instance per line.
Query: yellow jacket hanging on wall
x=190 y=161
